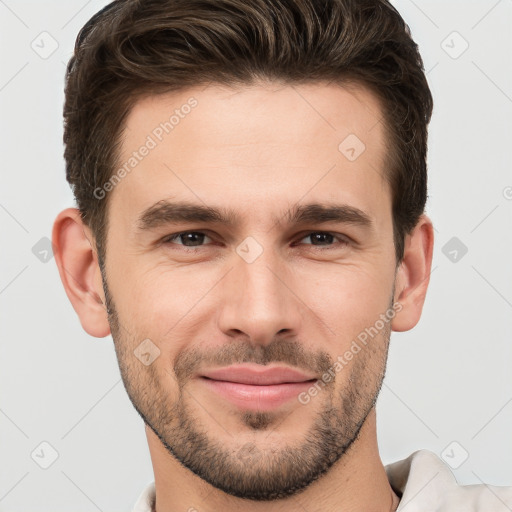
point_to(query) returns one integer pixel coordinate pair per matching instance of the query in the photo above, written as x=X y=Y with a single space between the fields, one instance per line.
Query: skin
x=259 y=151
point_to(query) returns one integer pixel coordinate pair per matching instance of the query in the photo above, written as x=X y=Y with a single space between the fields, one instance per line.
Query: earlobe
x=413 y=275
x=79 y=271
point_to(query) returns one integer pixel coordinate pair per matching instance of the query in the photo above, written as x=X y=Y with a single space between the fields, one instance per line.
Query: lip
x=257 y=387
x=255 y=374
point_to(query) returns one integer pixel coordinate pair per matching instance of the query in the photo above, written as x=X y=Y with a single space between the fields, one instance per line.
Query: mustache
x=292 y=353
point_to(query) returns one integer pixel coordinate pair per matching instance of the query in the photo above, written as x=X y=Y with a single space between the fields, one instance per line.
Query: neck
x=356 y=483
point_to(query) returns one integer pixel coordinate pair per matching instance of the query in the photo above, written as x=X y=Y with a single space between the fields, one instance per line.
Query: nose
x=259 y=301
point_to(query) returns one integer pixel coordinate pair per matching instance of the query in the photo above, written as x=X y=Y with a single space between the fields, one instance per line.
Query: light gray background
x=448 y=380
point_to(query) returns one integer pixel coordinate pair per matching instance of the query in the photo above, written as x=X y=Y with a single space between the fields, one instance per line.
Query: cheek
x=164 y=302
x=160 y=302
x=348 y=299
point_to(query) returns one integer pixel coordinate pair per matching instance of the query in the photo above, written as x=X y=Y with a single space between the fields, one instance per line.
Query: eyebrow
x=166 y=212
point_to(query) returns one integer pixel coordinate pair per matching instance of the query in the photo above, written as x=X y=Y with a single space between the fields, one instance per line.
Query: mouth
x=256 y=387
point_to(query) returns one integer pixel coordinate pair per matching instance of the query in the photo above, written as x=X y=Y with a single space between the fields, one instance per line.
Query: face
x=249 y=275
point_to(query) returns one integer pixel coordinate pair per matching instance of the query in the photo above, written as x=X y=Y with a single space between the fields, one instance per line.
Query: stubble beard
x=253 y=470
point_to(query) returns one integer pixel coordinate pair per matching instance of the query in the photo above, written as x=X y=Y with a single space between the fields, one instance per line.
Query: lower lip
x=259 y=398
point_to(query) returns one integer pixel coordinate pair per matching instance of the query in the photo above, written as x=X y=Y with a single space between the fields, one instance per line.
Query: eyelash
x=344 y=240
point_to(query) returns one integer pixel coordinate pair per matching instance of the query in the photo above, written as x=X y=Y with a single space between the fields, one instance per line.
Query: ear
x=413 y=275
x=77 y=261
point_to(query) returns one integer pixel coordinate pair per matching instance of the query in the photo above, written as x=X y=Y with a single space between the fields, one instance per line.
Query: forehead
x=254 y=143
x=252 y=114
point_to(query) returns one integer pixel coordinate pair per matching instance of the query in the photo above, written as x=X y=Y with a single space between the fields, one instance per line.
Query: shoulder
x=426 y=483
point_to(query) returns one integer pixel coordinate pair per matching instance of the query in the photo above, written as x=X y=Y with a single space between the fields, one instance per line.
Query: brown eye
x=323 y=239
x=187 y=238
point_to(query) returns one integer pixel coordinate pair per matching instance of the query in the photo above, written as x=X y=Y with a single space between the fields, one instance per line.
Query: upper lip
x=257 y=374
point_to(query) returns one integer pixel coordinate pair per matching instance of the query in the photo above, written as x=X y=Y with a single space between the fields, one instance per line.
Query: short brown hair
x=133 y=48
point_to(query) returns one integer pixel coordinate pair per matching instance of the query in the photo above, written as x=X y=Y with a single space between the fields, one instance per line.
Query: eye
x=324 y=239
x=186 y=238
x=320 y=239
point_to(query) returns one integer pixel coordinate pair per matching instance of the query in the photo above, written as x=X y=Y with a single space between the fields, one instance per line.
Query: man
x=251 y=182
